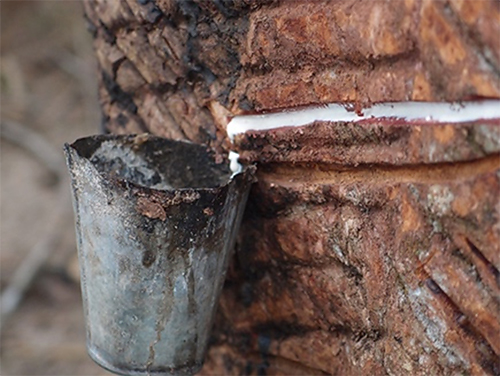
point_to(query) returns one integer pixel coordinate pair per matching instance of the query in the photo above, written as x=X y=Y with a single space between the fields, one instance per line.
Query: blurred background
x=48 y=97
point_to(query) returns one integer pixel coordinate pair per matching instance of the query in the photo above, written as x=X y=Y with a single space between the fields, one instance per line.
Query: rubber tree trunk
x=364 y=249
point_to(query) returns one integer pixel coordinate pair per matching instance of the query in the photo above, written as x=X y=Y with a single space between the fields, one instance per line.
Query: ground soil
x=48 y=85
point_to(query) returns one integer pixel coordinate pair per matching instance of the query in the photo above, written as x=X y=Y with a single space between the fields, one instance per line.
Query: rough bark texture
x=366 y=248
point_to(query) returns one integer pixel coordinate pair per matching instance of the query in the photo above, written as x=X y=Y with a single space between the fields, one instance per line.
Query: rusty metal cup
x=156 y=221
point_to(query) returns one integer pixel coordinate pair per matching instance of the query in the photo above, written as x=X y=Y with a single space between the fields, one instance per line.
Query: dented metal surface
x=156 y=221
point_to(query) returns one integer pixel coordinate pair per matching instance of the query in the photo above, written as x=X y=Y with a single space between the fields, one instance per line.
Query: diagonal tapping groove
x=297 y=174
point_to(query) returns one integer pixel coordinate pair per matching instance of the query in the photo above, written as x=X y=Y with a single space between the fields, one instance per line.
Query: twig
x=34 y=143
x=25 y=274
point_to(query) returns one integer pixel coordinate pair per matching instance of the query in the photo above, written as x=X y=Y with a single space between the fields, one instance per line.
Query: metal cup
x=156 y=221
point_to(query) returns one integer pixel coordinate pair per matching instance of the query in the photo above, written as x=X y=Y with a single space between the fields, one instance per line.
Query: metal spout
x=156 y=222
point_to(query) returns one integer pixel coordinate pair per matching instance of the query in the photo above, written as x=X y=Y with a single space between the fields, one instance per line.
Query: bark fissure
x=487 y=357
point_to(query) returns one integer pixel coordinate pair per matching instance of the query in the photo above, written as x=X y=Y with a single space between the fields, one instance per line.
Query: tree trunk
x=366 y=248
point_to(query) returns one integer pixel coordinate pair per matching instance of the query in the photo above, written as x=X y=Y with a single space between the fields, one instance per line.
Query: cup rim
x=71 y=151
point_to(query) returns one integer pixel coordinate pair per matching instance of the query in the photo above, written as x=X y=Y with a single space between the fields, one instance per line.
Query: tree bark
x=365 y=248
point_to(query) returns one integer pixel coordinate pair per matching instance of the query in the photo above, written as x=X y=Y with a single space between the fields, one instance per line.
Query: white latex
x=408 y=111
